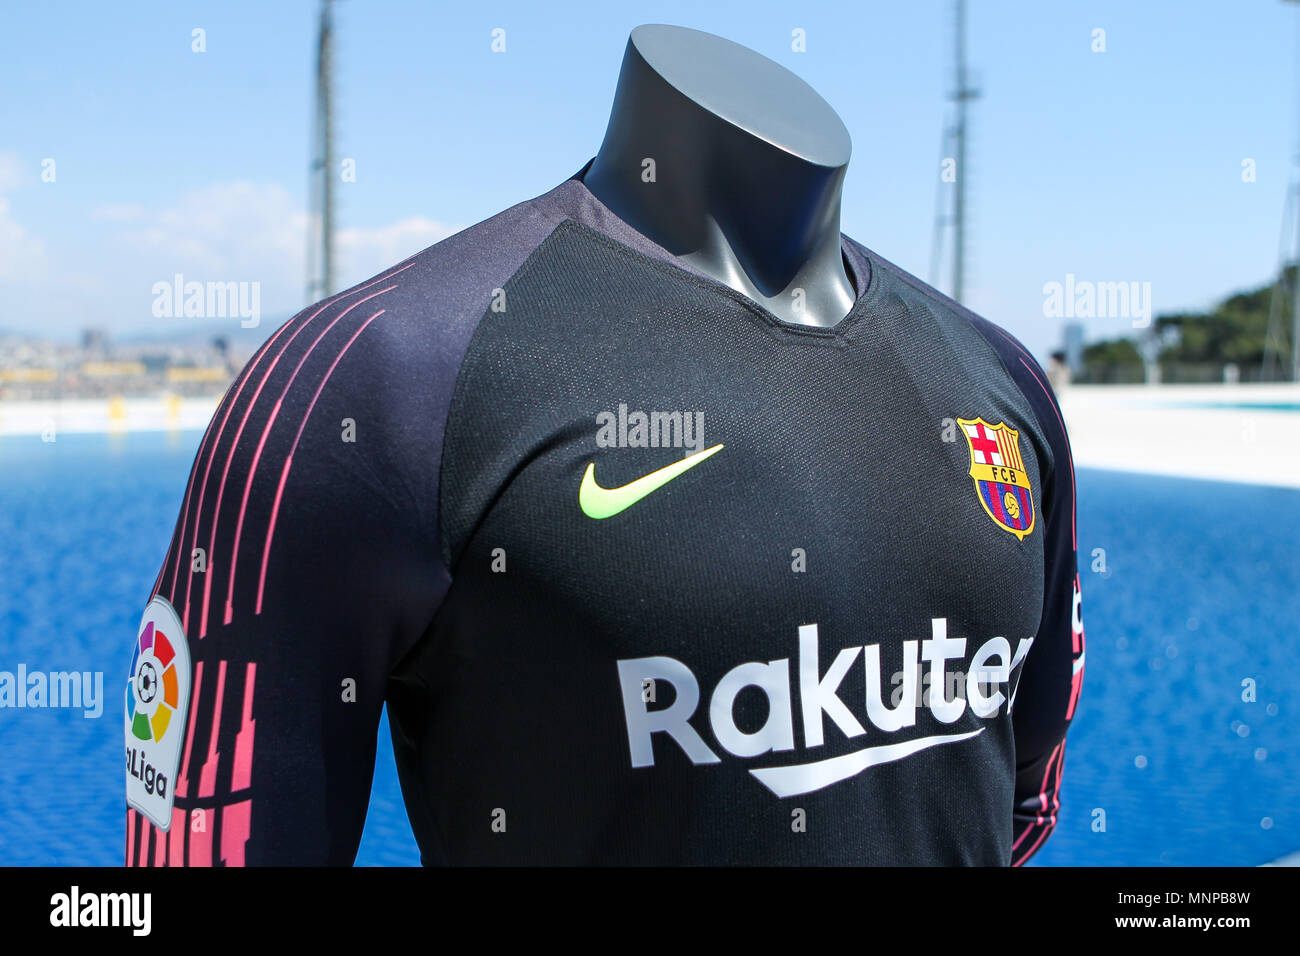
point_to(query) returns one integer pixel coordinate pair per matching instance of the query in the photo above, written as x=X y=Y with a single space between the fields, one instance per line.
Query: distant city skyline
x=1162 y=160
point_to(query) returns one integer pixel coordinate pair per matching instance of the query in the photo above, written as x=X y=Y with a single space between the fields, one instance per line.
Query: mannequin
x=478 y=560
x=748 y=166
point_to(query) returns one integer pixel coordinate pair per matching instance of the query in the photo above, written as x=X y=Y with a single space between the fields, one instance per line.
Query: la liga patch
x=157 y=705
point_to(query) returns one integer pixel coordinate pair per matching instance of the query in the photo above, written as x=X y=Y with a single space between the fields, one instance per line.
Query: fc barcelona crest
x=1001 y=481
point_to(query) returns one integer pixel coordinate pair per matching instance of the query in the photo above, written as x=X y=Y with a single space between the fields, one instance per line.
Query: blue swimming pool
x=1236 y=406
x=1200 y=592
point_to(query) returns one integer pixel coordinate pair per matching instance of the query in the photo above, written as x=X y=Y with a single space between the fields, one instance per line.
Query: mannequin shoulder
x=899 y=292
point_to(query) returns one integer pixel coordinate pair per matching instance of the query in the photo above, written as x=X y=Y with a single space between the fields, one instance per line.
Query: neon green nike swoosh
x=598 y=502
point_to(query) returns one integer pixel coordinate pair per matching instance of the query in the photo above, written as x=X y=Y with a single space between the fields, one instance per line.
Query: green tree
x=1112 y=362
x=1195 y=346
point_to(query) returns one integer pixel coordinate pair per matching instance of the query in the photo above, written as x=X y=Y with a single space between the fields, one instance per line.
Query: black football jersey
x=644 y=574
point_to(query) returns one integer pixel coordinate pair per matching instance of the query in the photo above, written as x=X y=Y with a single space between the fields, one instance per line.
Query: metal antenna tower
x=953 y=144
x=1284 y=296
x=320 y=234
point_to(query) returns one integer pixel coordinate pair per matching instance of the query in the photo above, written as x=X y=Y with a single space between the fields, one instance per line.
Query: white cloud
x=363 y=252
x=118 y=212
x=237 y=231
x=12 y=174
x=22 y=256
x=231 y=231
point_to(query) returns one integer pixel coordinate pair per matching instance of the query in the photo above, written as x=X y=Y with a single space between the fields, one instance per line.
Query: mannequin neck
x=729 y=169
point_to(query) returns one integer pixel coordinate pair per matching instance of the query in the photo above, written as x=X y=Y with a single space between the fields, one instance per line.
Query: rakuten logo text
x=990 y=669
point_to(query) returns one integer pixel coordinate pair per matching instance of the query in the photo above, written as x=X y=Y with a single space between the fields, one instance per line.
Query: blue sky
x=1115 y=166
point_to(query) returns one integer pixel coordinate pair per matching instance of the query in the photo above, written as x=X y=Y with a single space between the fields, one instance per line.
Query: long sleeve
x=1047 y=693
x=305 y=562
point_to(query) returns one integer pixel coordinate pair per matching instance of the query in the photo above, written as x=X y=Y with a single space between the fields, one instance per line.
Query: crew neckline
x=589 y=212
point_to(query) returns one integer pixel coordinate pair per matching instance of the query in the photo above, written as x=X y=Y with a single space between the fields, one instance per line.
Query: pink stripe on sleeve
x=208 y=775
x=243 y=380
x=207 y=470
x=182 y=782
x=257 y=456
x=177 y=838
x=130 y=837
x=201 y=840
x=225 y=474
x=235 y=820
x=179 y=543
x=242 y=773
x=1049 y=824
x=288 y=461
x=159 y=846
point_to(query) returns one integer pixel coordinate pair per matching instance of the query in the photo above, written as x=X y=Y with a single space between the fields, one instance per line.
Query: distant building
x=1074 y=347
x=1058 y=372
x=94 y=341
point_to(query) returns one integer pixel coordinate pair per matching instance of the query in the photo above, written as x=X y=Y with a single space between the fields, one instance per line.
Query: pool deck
x=1241 y=433
x=1292 y=860
x=112 y=416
